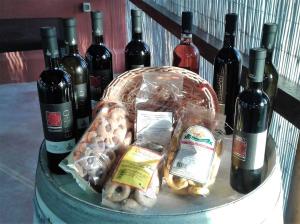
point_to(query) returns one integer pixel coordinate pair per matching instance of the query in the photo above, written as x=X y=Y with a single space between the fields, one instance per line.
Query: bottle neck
x=186 y=38
x=254 y=85
x=269 y=56
x=98 y=40
x=73 y=49
x=229 y=40
x=53 y=63
x=137 y=36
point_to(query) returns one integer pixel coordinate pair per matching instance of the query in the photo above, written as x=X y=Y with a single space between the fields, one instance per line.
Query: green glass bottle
x=270 y=74
x=76 y=66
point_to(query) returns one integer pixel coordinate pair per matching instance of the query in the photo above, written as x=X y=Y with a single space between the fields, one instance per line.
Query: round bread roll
x=109 y=134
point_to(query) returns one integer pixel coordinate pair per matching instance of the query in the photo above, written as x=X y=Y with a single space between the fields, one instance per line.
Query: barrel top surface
x=221 y=193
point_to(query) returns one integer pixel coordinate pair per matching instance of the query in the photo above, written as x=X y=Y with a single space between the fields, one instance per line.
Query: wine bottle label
x=60 y=147
x=222 y=108
x=81 y=96
x=195 y=155
x=99 y=80
x=220 y=84
x=248 y=150
x=136 y=66
x=83 y=122
x=93 y=104
x=58 y=126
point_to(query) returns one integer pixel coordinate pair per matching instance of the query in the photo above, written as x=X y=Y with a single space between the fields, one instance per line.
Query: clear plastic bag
x=157 y=104
x=134 y=184
x=99 y=148
x=194 y=153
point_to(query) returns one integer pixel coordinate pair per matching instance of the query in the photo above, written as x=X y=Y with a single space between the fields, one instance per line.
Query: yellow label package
x=137 y=167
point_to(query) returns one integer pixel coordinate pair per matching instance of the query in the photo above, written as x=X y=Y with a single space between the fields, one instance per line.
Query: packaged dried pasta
x=194 y=154
x=135 y=182
x=100 y=147
x=157 y=103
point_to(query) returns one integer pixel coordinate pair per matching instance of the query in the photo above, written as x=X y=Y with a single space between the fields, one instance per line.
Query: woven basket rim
x=125 y=76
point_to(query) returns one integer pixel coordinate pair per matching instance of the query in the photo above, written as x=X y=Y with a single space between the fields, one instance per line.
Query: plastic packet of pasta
x=157 y=103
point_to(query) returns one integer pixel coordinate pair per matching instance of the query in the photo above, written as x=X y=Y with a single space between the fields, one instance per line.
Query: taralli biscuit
x=116 y=192
x=103 y=143
x=198 y=190
x=177 y=183
x=131 y=205
x=183 y=186
x=127 y=198
x=145 y=200
x=198 y=135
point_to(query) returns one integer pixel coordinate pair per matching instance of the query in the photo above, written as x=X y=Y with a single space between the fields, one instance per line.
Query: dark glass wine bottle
x=57 y=104
x=186 y=54
x=137 y=52
x=270 y=74
x=99 y=60
x=227 y=72
x=250 y=128
x=76 y=66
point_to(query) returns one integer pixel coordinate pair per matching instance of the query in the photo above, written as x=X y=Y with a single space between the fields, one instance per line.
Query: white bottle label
x=249 y=149
x=60 y=147
x=194 y=158
x=93 y=104
x=136 y=66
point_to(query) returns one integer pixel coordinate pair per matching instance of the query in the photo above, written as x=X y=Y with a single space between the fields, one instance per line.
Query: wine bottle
x=137 y=52
x=270 y=74
x=227 y=72
x=56 y=103
x=186 y=54
x=76 y=66
x=250 y=128
x=99 y=60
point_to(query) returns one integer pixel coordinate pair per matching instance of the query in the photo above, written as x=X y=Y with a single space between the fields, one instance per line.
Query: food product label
x=60 y=147
x=137 y=167
x=195 y=155
x=155 y=127
x=83 y=122
x=248 y=149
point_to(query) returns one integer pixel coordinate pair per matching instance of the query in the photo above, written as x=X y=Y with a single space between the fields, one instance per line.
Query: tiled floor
x=20 y=138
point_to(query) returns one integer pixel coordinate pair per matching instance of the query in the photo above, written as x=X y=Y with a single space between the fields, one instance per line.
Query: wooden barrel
x=58 y=199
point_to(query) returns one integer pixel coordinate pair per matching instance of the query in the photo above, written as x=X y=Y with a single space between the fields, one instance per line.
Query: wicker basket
x=195 y=89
